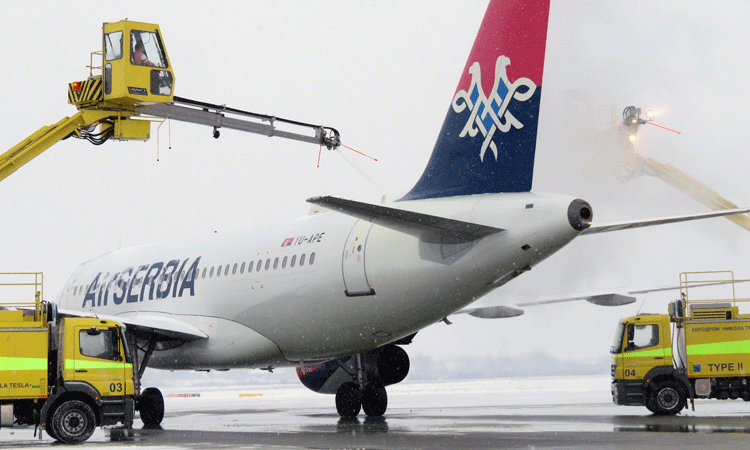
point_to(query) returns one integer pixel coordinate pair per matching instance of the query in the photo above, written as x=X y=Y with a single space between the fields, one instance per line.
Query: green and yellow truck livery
x=66 y=375
x=700 y=349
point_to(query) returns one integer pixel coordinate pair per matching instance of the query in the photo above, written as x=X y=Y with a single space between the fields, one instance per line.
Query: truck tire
x=151 y=407
x=50 y=430
x=73 y=422
x=667 y=399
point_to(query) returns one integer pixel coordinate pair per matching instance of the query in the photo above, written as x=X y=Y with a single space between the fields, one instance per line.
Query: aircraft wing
x=601 y=299
x=610 y=297
x=617 y=226
x=427 y=227
x=148 y=325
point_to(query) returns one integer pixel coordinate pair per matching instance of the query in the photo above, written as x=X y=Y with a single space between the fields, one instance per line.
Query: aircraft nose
x=580 y=214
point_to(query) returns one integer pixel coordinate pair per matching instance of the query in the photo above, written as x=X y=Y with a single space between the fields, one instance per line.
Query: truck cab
x=642 y=365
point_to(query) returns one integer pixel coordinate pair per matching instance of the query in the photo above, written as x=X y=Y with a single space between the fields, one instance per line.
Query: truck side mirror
x=93 y=332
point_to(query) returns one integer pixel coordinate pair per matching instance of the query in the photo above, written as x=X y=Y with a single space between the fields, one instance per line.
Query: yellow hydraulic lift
x=692 y=187
x=136 y=84
x=637 y=165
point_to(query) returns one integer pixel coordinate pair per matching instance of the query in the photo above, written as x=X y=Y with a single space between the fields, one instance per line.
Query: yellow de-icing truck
x=700 y=349
x=66 y=375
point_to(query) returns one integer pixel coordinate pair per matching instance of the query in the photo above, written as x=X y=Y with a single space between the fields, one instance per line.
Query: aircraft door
x=353 y=261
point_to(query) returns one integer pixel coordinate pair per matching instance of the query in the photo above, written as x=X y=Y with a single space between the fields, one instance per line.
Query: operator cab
x=136 y=66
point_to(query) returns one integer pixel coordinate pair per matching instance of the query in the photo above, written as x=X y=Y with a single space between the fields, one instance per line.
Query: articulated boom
x=134 y=87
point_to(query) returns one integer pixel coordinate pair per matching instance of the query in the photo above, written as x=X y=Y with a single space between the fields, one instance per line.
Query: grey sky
x=383 y=74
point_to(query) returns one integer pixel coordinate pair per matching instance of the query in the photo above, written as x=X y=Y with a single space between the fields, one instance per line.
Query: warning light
x=633 y=138
x=76 y=86
x=651 y=114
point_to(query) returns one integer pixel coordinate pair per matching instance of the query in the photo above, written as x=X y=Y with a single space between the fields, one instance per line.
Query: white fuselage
x=360 y=285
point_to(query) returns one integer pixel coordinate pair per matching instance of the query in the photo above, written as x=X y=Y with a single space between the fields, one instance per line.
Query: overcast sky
x=384 y=73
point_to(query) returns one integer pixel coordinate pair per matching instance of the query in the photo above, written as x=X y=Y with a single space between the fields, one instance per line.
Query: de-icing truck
x=64 y=375
x=706 y=354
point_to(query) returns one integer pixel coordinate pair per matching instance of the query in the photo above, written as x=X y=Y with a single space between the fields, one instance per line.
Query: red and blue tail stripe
x=488 y=139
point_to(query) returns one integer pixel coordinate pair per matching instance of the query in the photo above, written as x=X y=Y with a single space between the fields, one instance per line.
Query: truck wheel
x=151 y=406
x=50 y=430
x=73 y=422
x=667 y=399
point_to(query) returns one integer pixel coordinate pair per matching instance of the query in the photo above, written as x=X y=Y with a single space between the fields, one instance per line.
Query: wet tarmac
x=504 y=413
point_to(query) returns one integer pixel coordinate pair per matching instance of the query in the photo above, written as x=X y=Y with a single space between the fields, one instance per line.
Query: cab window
x=104 y=344
x=146 y=49
x=113 y=46
x=642 y=336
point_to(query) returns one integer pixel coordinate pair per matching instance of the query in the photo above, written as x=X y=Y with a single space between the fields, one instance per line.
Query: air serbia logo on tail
x=489 y=114
x=502 y=121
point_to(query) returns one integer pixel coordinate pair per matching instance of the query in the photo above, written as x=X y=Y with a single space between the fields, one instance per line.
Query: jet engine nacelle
x=389 y=364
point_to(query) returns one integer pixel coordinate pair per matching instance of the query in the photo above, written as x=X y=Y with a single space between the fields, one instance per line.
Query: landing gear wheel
x=667 y=399
x=374 y=399
x=73 y=422
x=348 y=400
x=151 y=406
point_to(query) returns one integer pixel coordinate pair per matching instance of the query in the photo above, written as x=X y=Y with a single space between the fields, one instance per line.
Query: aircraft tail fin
x=488 y=139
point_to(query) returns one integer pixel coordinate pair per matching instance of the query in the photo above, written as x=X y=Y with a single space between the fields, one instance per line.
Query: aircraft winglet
x=427 y=227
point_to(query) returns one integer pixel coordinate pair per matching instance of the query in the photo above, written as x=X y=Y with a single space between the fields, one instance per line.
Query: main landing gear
x=373 y=371
x=150 y=403
x=373 y=399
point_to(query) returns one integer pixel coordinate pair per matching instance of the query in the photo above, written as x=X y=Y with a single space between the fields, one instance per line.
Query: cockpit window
x=146 y=49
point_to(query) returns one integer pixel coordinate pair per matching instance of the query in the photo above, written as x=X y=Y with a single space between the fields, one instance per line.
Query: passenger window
x=218 y=271
x=302 y=260
x=204 y=273
x=250 y=267
x=268 y=263
x=104 y=344
x=211 y=273
x=260 y=264
x=283 y=262
x=312 y=258
x=242 y=268
x=226 y=271
x=275 y=263
x=294 y=260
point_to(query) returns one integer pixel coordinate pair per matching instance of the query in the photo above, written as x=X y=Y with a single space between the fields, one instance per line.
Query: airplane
x=337 y=294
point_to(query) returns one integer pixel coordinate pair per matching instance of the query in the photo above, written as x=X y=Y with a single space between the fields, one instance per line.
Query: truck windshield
x=125 y=344
x=617 y=343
